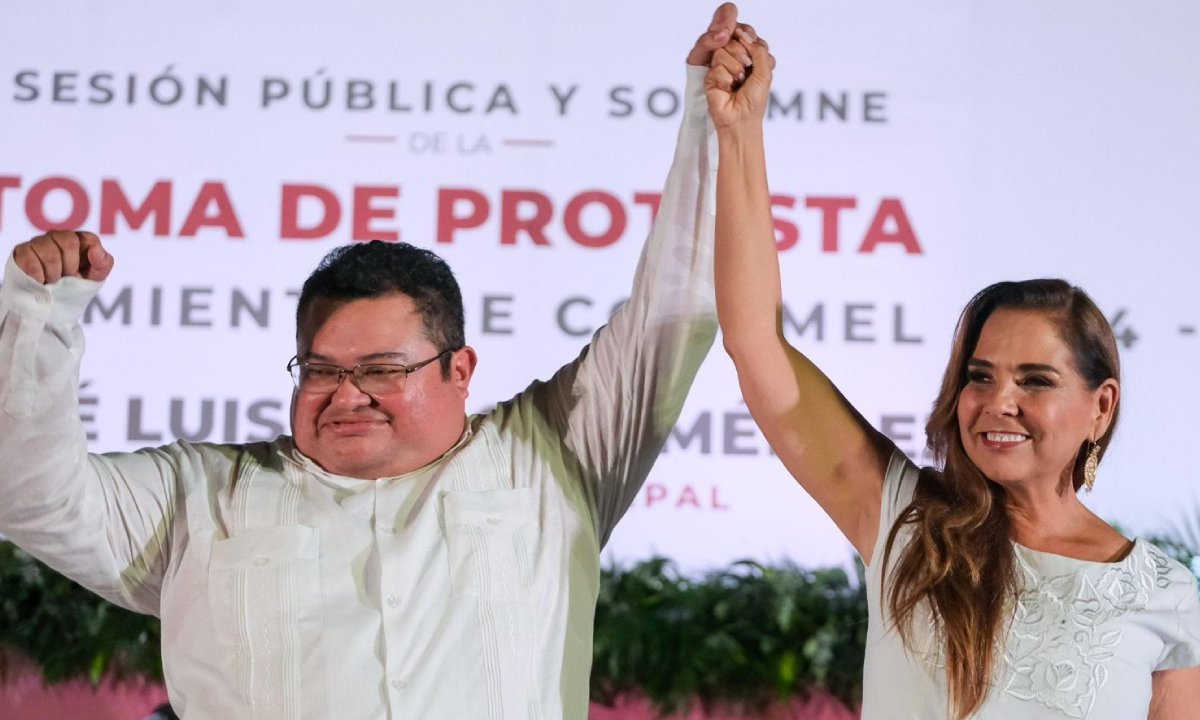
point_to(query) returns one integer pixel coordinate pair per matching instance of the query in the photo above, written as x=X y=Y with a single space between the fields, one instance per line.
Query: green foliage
x=68 y=631
x=742 y=637
x=745 y=635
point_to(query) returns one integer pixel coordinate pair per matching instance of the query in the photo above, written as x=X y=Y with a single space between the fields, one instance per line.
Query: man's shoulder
x=518 y=413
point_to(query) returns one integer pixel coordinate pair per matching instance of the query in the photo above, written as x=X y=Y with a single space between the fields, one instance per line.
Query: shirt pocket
x=265 y=596
x=490 y=536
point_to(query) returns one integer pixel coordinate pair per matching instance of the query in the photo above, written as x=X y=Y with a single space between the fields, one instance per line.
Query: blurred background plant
x=743 y=636
x=738 y=638
x=67 y=631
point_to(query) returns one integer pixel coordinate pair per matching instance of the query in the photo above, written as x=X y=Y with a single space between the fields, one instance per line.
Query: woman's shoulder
x=899 y=484
x=1168 y=573
x=899 y=487
x=1178 y=603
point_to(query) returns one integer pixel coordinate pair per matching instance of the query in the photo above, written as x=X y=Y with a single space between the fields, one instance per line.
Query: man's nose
x=348 y=392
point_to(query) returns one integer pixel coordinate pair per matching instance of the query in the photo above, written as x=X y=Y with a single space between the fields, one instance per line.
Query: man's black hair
x=378 y=269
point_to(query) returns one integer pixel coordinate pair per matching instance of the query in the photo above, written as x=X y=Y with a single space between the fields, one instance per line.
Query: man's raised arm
x=616 y=405
x=99 y=521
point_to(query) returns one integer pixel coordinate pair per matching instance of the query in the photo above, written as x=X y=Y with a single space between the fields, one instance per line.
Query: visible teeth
x=1005 y=437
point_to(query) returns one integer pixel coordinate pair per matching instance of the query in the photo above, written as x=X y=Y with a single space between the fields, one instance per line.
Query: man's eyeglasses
x=371 y=378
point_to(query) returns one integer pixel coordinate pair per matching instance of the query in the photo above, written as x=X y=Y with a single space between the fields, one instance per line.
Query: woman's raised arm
x=825 y=444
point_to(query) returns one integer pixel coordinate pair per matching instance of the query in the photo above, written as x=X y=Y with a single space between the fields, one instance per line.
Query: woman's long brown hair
x=959 y=564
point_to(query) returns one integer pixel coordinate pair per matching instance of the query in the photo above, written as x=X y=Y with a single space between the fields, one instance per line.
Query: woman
x=994 y=592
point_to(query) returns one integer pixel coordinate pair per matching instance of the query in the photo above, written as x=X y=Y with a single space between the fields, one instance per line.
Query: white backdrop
x=918 y=152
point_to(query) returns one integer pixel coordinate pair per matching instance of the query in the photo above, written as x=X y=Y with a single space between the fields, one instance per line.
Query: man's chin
x=356 y=466
x=352 y=455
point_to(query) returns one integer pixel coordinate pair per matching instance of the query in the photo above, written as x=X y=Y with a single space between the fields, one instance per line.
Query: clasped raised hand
x=738 y=84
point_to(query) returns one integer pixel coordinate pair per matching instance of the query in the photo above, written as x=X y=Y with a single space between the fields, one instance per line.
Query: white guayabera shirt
x=465 y=589
x=1083 y=641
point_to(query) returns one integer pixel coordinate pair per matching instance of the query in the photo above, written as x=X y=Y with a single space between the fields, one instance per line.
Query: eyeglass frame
x=356 y=374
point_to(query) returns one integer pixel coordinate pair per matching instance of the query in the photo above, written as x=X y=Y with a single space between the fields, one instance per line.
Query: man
x=393 y=558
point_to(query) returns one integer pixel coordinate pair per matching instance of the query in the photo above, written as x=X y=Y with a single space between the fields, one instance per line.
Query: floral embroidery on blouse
x=1063 y=629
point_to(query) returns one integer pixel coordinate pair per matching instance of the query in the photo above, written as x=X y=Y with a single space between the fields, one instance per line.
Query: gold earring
x=1089 y=468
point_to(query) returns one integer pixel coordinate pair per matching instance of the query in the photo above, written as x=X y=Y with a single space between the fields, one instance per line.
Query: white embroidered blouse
x=1084 y=639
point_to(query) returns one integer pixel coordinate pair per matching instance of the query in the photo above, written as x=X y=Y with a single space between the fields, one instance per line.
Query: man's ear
x=462 y=368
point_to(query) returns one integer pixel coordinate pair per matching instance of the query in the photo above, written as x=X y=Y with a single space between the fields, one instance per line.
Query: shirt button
x=42 y=299
x=387 y=530
x=393 y=601
x=399 y=684
x=261 y=561
x=493 y=521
